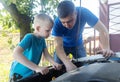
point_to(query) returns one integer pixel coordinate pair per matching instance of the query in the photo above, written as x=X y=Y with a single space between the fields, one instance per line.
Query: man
x=68 y=29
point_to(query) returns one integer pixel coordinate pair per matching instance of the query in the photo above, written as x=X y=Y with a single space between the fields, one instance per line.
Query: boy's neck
x=36 y=34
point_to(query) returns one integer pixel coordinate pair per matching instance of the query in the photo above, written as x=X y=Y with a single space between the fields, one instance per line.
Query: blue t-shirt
x=33 y=48
x=70 y=38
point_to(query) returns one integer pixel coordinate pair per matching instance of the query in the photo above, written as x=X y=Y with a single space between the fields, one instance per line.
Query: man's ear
x=75 y=12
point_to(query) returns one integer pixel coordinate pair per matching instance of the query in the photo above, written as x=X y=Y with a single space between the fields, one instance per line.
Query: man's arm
x=61 y=54
x=104 y=38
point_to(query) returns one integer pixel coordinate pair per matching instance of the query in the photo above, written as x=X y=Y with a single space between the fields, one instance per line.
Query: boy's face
x=45 y=30
x=69 y=21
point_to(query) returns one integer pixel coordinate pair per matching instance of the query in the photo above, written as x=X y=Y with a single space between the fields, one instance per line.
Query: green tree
x=6 y=21
x=49 y=7
x=22 y=11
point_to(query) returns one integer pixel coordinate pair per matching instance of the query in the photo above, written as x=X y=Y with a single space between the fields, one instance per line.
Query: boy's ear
x=38 y=28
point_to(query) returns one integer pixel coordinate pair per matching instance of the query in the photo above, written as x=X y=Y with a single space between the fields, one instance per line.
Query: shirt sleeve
x=90 y=18
x=26 y=41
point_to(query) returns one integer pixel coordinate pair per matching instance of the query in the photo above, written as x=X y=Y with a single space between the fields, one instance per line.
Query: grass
x=4 y=73
x=5 y=58
x=5 y=62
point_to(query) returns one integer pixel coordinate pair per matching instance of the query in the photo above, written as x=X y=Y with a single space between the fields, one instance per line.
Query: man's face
x=69 y=21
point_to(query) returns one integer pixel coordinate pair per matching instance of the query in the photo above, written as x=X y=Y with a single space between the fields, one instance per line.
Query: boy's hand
x=42 y=70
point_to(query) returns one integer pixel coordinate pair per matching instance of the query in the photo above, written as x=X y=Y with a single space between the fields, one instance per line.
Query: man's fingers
x=106 y=52
x=100 y=52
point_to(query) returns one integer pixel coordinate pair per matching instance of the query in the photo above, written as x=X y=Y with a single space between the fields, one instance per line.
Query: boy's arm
x=48 y=56
x=18 y=56
x=104 y=38
x=61 y=54
x=50 y=59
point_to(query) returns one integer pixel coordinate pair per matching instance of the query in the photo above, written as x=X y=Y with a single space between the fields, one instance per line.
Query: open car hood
x=97 y=72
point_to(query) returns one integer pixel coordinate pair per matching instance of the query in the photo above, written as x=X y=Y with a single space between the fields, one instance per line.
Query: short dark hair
x=65 y=8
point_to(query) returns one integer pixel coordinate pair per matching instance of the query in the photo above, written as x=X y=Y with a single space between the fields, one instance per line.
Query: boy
x=28 y=53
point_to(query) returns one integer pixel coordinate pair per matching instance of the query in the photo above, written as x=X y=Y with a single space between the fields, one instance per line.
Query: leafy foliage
x=49 y=6
x=5 y=19
x=26 y=9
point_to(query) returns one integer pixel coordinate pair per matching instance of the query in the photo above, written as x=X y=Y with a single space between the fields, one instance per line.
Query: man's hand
x=106 y=52
x=70 y=66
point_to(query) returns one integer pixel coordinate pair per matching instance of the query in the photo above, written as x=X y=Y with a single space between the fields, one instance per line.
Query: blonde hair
x=42 y=19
